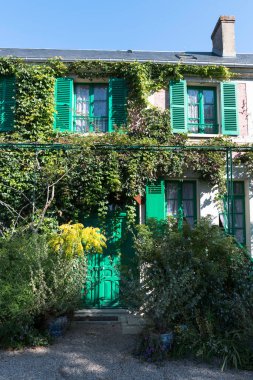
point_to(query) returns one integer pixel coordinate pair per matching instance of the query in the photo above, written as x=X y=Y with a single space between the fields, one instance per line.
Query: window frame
x=233 y=213
x=201 y=126
x=91 y=116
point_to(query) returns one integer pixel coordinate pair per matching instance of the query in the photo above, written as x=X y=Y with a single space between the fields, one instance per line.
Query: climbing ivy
x=99 y=171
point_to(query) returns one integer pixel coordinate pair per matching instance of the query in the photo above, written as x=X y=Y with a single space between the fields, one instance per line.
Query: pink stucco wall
x=160 y=99
x=242 y=108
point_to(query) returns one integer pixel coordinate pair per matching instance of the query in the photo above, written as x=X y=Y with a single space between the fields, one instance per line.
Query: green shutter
x=117 y=103
x=155 y=200
x=229 y=109
x=64 y=104
x=178 y=106
x=7 y=103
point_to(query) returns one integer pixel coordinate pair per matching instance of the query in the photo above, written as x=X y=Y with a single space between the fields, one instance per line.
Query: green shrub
x=201 y=280
x=35 y=284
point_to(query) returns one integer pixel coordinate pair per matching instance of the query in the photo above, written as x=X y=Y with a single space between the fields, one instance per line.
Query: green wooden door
x=104 y=270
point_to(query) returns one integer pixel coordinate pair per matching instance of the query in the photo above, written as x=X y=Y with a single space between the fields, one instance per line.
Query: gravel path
x=100 y=352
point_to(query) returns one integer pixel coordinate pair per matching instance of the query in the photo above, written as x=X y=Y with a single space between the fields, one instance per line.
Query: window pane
x=100 y=93
x=239 y=236
x=238 y=188
x=193 y=113
x=82 y=100
x=188 y=208
x=193 y=126
x=190 y=221
x=99 y=125
x=187 y=190
x=208 y=96
x=238 y=204
x=172 y=207
x=82 y=125
x=209 y=114
x=193 y=95
x=172 y=191
x=238 y=221
x=100 y=108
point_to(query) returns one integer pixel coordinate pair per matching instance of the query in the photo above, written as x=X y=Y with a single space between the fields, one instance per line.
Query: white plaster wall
x=208 y=205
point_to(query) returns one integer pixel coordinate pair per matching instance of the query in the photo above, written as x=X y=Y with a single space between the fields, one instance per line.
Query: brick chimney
x=223 y=37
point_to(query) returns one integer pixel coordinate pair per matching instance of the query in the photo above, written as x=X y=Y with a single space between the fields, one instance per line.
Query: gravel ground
x=100 y=352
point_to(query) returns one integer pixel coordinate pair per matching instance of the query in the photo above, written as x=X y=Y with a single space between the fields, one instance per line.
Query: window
x=181 y=201
x=237 y=212
x=202 y=113
x=194 y=109
x=91 y=108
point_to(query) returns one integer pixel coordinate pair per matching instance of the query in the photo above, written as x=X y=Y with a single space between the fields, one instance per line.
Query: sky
x=160 y=25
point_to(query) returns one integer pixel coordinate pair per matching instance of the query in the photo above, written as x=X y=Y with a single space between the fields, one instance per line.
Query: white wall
x=208 y=205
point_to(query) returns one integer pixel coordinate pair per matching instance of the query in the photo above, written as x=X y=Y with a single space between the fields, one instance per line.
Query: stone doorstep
x=93 y=312
x=130 y=324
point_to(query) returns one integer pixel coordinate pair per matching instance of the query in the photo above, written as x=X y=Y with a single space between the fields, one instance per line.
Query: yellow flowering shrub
x=75 y=240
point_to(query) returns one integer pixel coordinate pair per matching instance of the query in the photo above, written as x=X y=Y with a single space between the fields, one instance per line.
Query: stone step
x=130 y=323
x=102 y=311
x=96 y=318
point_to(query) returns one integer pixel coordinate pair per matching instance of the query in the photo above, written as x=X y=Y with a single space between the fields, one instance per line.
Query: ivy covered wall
x=91 y=176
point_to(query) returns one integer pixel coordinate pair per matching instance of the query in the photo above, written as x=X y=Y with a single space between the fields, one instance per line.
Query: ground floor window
x=237 y=212
x=181 y=201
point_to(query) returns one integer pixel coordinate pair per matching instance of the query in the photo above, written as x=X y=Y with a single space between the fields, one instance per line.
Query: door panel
x=104 y=270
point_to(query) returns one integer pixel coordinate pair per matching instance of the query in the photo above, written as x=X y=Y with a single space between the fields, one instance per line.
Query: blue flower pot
x=57 y=327
x=167 y=340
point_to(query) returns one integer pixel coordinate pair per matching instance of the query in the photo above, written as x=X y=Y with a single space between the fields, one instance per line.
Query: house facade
x=200 y=107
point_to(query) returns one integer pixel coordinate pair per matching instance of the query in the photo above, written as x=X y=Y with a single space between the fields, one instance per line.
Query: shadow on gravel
x=89 y=351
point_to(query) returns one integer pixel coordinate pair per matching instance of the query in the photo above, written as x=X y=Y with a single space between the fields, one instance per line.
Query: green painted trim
x=63 y=118
x=117 y=103
x=110 y=105
x=155 y=200
x=91 y=107
x=7 y=103
x=242 y=197
x=178 y=104
x=225 y=130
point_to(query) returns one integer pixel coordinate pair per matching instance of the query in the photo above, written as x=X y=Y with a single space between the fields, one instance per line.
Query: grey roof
x=241 y=60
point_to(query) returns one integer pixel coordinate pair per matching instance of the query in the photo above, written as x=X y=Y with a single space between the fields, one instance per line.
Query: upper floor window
x=91 y=108
x=202 y=110
x=194 y=109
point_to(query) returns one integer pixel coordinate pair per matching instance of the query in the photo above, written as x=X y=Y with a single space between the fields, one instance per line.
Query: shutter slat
x=229 y=109
x=64 y=104
x=155 y=200
x=117 y=103
x=7 y=103
x=178 y=106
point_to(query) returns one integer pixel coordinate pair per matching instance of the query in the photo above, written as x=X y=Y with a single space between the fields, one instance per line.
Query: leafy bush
x=200 y=280
x=73 y=239
x=35 y=284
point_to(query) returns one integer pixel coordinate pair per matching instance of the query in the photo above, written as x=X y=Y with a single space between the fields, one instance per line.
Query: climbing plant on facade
x=90 y=176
